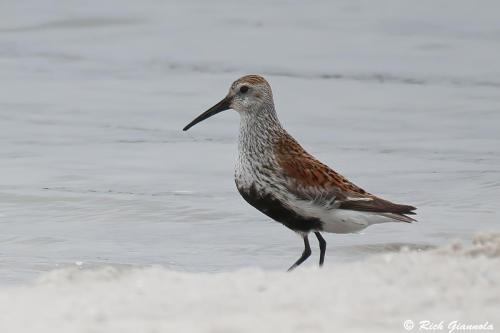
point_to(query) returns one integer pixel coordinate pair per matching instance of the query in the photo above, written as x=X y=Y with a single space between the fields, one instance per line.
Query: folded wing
x=309 y=179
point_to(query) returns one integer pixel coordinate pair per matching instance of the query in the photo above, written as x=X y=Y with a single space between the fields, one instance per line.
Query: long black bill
x=219 y=107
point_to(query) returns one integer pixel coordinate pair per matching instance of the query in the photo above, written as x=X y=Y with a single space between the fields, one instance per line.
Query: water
x=403 y=99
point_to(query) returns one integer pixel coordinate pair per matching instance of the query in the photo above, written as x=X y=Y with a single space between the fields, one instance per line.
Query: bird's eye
x=243 y=89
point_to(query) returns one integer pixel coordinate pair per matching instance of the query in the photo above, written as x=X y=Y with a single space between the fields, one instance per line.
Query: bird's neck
x=259 y=131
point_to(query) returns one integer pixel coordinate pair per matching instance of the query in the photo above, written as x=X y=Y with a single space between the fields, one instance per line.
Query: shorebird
x=278 y=177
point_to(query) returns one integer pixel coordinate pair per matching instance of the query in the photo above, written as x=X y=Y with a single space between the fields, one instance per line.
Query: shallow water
x=402 y=99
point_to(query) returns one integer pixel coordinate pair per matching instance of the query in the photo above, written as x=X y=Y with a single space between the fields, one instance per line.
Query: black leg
x=305 y=254
x=322 y=248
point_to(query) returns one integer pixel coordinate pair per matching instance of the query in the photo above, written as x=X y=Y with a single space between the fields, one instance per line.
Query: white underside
x=342 y=221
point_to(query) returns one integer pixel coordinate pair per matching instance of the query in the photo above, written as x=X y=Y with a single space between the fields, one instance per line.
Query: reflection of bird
x=278 y=177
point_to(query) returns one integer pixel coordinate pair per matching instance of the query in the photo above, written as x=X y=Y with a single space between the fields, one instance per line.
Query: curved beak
x=219 y=107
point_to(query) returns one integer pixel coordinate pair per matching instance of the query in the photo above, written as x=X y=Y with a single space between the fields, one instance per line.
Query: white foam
x=456 y=282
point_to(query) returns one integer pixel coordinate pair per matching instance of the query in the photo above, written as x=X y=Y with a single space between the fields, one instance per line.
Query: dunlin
x=279 y=178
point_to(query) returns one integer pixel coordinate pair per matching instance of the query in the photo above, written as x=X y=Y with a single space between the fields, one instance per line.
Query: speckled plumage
x=278 y=177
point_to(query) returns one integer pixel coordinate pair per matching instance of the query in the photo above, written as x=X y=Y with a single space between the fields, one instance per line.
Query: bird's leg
x=322 y=248
x=305 y=254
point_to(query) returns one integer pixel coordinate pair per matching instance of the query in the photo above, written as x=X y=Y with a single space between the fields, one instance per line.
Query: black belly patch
x=274 y=208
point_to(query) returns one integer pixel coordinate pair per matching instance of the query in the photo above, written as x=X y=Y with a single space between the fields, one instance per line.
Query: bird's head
x=248 y=95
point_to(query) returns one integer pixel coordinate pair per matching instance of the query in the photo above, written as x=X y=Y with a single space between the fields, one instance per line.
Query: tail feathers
x=401 y=217
x=383 y=207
